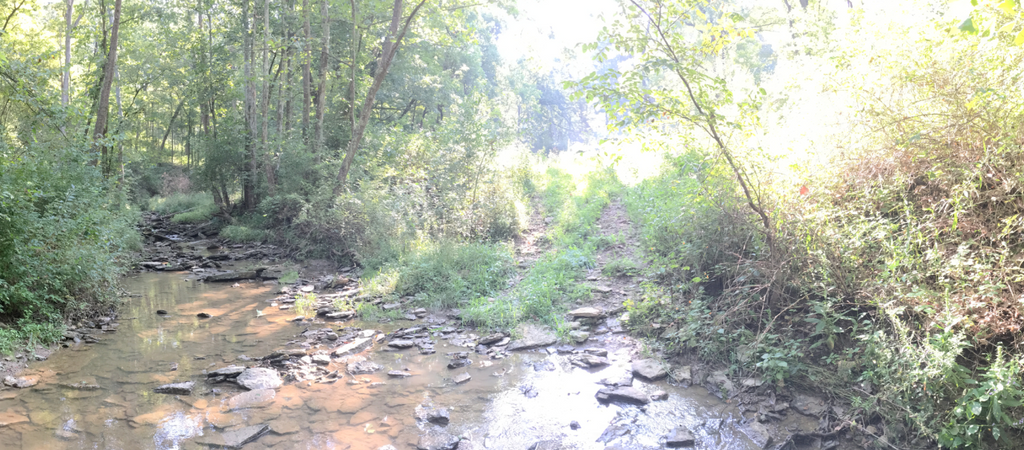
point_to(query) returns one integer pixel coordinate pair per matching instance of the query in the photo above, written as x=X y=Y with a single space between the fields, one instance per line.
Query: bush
x=66 y=233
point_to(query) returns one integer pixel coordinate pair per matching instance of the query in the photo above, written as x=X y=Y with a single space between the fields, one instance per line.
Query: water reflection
x=102 y=397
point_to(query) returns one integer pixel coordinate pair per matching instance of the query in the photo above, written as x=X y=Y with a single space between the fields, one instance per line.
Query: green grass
x=199 y=214
x=179 y=203
x=551 y=285
x=620 y=267
x=289 y=277
x=242 y=234
x=373 y=313
x=445 y=274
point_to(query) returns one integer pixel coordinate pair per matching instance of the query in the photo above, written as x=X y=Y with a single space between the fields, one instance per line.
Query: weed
x=289 y=277
x=620 y=267
x=305 y=304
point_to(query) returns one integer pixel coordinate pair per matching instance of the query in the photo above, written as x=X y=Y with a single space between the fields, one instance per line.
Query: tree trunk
x=306 y=75
x=265 y=100
x=249 y=178
x=65 y=82
x=103 y=105
x=387 y=56
x=170 y=125
x=321 y=90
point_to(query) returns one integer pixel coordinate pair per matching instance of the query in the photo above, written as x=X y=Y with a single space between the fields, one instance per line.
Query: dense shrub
x=64 y=234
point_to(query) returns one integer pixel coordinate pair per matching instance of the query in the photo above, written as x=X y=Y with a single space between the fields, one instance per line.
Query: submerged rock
x=353 y=347
x=437 y=439
x=438 y=416
x=259 y=378
x=680 y=437
x=462 y=378
x=363 y=367
x=20 y=383
x=176 y=388
x=236 y=438
x=809 y=405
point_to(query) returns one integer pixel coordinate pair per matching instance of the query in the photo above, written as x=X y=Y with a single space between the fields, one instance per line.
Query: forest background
x=827 y=193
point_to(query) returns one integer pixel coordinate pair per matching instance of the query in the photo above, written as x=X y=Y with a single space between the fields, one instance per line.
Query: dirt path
x=615 y=277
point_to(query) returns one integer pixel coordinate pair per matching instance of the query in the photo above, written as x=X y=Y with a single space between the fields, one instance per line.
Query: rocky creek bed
x=208 y=352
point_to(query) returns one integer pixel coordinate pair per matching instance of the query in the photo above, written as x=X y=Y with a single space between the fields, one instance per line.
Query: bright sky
x=544 y=28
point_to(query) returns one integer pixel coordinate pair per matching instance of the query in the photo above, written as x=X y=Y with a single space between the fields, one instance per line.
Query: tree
x=388 y=50
x=103 y=103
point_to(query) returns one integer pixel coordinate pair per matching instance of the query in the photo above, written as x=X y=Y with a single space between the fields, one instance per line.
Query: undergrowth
x=550 y=285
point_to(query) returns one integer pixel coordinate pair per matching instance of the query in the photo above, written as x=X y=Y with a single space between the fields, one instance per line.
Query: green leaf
x=968 y=26
x=972 y=429
x=1019 y=39
x=1008 y=6
x=996 y=433
x=976 y=408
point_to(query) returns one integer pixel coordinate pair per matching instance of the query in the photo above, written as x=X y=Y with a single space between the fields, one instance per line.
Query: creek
x=101 y=395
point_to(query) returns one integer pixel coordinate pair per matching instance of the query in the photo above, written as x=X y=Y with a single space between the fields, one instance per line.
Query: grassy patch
x=289 y=277
x=445 y=274
x=620 y=267
x=179 y=203
x=242 y=234
x=374 y=313
x=199 y=214
x=552 y=283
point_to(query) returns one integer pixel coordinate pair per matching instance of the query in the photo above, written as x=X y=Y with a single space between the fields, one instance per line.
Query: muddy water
x=118 y=410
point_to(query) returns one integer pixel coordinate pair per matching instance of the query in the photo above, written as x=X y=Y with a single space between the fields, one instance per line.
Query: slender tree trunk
x=306 y=75
x=265 y=100
x=65 y=82
x=120 y=124
x=356 y=38
x=389 y=49
x=170 y=125
x=321 y=90
x=249 y=179
x=103 y=105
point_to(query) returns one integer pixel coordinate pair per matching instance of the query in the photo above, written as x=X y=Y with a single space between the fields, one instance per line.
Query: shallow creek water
x=491 y=409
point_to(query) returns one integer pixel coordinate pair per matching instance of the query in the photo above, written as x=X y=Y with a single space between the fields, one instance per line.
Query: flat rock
x=626 y=379
x=229 y=372
x=650 y=369
x=402 y=343
x=491 y=339
x=586 y=312
x=461 y=378
x=236 y=438
x=176 y=388
x=586 y=360
x=20 y=383
x=399 y=374
x=549 y=444
x=252 y=399
x=259 y=378
x=437 y=439
x=8 y=418
x=680 y=437
x=356 y=346
x=809 y=405
x=623 y=394
x=438 y=416
x=363 y=367
x=230 y=276
x=532 y=336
